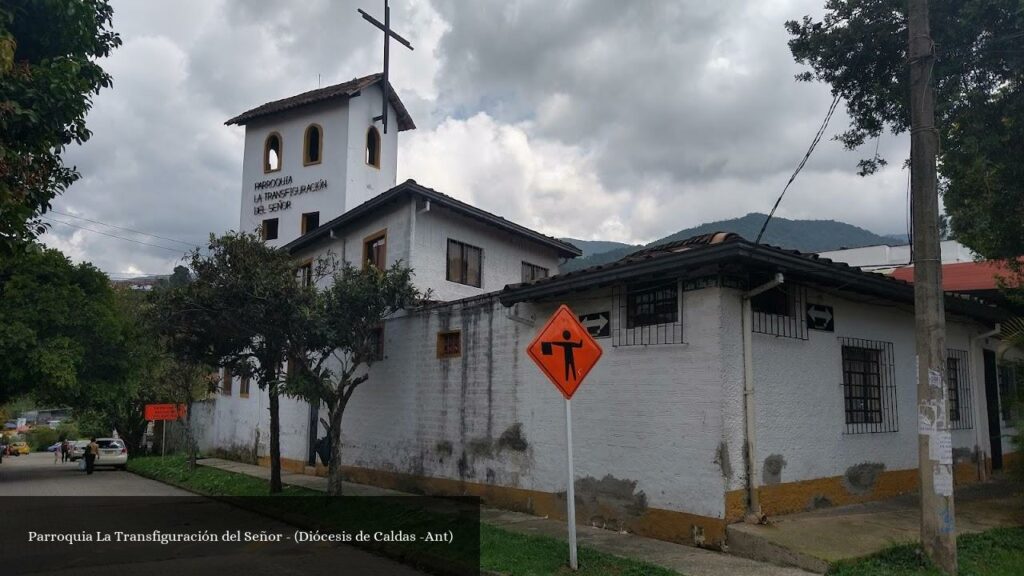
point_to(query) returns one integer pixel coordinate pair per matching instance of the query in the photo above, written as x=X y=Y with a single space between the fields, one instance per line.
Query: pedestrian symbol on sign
x=566 y=346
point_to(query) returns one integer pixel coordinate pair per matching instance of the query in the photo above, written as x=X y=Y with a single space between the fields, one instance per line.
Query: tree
x=860 y=49
x=48 y=76
x=341 y=340
x=241 y=311
x=61 y=329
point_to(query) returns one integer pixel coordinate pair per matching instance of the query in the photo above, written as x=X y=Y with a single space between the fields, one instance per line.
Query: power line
x=817 y=138
x=190 y=244
x=177 y=250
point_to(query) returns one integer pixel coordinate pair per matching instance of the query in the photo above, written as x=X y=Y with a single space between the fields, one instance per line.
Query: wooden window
x=312 y=145
x=272 y=153
x=243 y=387
x=226 y=381
x=465 y=263
x=377 y=338
x=869 y=386
x=375 y=250
x=310 y=222
x=268 y=230
x=533 y=272
x=449 y=344
x=652 y=305
x=304 y=273
x=373 y=147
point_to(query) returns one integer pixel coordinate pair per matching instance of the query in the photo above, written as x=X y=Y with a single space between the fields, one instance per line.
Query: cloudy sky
x=586 y=118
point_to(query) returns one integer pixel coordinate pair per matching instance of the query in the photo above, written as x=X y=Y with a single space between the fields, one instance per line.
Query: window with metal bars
x=869 y=386
x=648 y=313
x=780 y=312
x=958 y=384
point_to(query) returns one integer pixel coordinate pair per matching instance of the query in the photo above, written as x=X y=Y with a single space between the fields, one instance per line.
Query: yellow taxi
x=20 y=448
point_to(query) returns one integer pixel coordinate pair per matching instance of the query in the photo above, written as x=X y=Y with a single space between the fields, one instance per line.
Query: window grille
x=781 y=311
x=1010 y=391
x=869 y=386
x=449 y=344
x=958 y=382
x=648 y=314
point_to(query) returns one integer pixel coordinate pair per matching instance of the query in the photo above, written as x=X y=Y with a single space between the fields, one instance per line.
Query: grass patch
x=501 y=551
x=998 y=552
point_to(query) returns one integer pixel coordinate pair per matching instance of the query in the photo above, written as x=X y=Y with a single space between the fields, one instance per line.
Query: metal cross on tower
x=388 y=35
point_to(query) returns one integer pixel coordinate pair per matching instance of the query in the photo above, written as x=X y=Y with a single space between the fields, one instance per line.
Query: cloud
x=622 y=121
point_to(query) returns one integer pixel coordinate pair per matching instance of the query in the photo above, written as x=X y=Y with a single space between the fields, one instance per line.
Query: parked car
x=19 y=448
x=55 y=447
x=78 y=449
x=113 y=452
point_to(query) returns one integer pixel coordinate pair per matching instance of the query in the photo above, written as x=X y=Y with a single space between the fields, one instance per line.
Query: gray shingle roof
x=344 y=90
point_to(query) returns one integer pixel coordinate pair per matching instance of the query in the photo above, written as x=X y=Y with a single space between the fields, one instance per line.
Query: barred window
x=958 y=383
x=649 y=313
x=869 y=386
x=1010 y=391
x=780 y=312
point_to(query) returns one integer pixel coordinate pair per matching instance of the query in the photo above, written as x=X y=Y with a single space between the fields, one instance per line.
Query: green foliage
x=60 y=330
x=41 y=437
x=860 y=49
x=242 y=310
x=340 y=339
x=68 y=430
x=11 y=409
x=992 y=553
x=48 y=77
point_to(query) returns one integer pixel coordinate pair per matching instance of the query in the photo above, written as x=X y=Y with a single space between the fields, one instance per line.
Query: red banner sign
x=165 y=411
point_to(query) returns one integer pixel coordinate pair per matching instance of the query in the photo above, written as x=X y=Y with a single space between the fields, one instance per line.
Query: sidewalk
x=814 y=540
x=686 y=560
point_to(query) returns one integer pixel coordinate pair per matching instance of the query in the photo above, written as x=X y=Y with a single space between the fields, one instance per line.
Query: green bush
x=41 y=438
x=68 y=430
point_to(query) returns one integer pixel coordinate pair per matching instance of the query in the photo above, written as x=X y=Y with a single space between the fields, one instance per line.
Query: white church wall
x=503 y=254
x=328 y=200
x=362 y=180
x=801 y=430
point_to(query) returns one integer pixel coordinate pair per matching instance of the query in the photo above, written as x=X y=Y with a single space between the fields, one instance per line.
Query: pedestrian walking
x=64 y=450
x=56 y=454
x=91 y=453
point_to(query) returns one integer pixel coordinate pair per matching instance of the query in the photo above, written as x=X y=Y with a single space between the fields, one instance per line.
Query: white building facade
x=825 y=364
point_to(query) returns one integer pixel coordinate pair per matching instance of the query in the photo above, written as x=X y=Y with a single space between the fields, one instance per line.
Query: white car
x=78 y=449
x=112 y=453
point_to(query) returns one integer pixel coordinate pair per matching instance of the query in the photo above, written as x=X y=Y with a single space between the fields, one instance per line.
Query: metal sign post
x=570 y=491
x=565 y=352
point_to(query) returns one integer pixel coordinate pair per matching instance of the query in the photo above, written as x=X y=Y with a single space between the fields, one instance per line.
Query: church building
x=736 y=378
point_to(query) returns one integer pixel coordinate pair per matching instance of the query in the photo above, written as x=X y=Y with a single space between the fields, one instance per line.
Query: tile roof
x=344 y=90
x=408 y=187
x=717 y=249
x=963 y=276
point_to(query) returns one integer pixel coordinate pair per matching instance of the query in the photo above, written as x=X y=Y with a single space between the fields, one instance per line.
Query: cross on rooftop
x=388 y=35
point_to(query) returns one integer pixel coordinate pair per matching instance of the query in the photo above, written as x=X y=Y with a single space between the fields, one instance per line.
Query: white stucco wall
x=350 y=181
x=800 y=402
x=503 y=254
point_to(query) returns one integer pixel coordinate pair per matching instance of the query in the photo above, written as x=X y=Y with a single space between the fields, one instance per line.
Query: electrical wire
x=810 y=150
x=189 y=244
x=54 y=220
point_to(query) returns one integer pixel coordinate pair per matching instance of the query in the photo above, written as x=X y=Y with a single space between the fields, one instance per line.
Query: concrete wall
x=801 y=431
x=362 y=180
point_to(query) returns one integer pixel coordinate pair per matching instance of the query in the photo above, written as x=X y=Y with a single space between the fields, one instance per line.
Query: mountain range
x=802 y=235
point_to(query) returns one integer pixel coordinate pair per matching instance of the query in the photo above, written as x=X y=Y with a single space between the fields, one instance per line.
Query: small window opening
x=272 y=153
x=310 y=222
x=243 y=387
x=449 y=344
x=269 y=229
x=375 y=250
x=377 y=343
x=313 y=144
x=373 y=147
x=304 y=274
x=225 y=384
x=533 y=272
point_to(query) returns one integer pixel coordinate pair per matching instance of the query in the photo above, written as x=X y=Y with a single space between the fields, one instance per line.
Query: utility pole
x=935 y=459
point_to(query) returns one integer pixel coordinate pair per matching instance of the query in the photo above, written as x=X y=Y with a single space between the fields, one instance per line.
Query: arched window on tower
x=314 y=143
x=272 y=153
x=373 y=147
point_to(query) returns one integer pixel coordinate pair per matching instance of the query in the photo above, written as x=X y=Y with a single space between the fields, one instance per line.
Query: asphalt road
x=39 y=496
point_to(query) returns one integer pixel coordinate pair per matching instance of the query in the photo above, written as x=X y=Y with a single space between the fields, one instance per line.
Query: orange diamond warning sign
x=565 y=351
